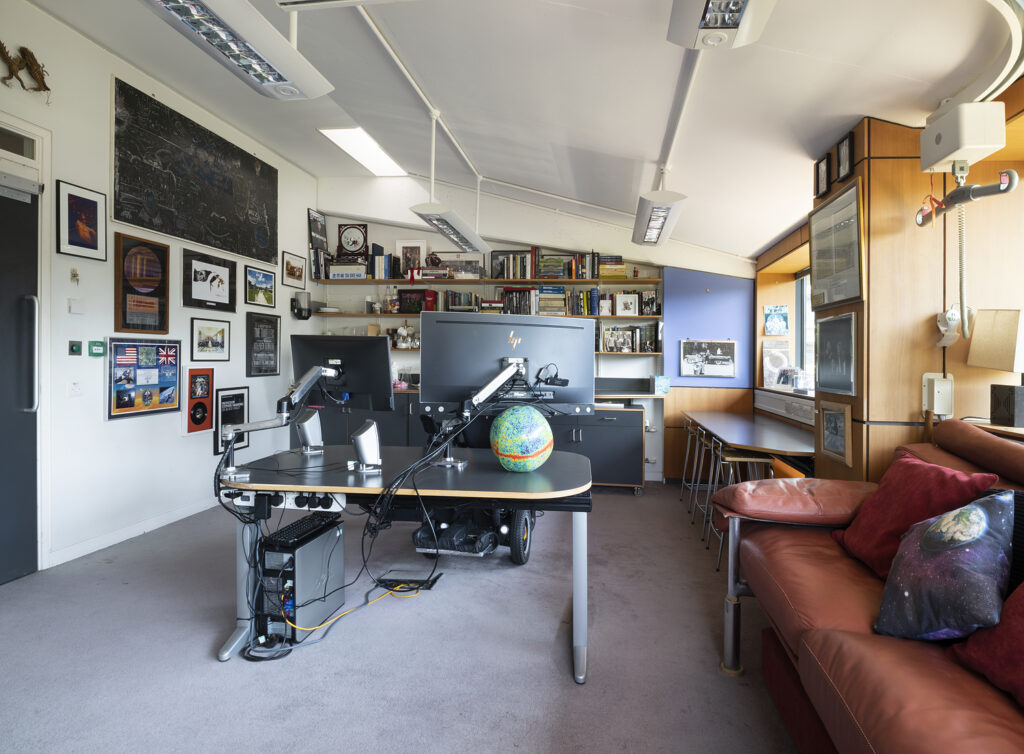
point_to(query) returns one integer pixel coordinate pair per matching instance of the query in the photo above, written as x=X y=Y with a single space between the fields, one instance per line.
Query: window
x=805 y=328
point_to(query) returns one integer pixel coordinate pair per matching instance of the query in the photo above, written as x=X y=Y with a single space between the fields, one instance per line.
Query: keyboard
x=302 y=528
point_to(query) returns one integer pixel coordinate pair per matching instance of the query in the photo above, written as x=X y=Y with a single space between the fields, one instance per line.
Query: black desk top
x=563 y=475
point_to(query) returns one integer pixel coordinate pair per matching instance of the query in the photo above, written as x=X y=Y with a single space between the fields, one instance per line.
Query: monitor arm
x=286 y=405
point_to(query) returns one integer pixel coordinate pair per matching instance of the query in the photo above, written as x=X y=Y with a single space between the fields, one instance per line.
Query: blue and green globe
x=521 y=438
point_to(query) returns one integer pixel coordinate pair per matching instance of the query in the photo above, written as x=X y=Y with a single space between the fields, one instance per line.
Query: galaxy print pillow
x=950 y=573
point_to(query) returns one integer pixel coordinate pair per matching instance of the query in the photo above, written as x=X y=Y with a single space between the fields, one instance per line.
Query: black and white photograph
x=262 y=344
x=231 y=406
x=834 y=352
x=207 y=282
x=844 y=157
x=836 y=431
x=837 y=249
x=707 y=358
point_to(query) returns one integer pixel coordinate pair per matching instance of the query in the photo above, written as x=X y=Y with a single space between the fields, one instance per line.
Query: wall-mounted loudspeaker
x=1008 y=405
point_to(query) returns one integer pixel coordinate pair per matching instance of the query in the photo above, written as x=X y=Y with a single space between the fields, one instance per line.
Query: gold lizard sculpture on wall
x=27 y=61
x=14 y=65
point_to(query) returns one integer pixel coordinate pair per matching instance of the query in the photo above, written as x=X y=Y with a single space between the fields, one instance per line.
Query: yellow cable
x=342 y=615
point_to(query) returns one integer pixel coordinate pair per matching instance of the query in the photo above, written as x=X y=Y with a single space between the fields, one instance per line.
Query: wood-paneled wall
x=682 y=399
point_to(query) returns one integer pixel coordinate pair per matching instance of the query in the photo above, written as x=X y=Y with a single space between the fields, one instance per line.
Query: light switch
x=76 y=306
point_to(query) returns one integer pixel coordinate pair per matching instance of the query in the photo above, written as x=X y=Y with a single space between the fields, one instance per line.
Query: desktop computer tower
x=301 y=578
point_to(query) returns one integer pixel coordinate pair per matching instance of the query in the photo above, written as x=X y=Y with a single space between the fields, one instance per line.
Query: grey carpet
x=116 y=651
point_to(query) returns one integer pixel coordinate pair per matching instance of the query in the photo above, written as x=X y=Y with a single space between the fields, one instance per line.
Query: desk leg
x=579 y=596
x=242 y=626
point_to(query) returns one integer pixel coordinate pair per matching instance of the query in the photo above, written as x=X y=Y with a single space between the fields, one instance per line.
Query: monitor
x=364 y=361
x=461 y=352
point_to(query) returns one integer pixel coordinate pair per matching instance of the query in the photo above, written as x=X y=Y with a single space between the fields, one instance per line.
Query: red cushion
x=996 y=652
x=911 y=490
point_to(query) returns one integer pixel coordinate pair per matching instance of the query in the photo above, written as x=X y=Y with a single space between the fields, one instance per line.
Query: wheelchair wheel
x=520 y=535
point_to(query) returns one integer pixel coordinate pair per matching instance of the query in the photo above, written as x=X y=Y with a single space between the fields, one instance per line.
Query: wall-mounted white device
x=948 y=323
x=937 y=394
x=969 y=132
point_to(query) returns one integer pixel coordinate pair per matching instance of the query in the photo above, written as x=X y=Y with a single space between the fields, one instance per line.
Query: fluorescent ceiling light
x=237 y=36
x=656 y=215
x=707 y=24
x=361 y=147
x=312 y=4
x=448 y=224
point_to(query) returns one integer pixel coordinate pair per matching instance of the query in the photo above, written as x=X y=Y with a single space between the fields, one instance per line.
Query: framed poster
x=293 y=270
x=200 y=400
x=627 y=304
x=208 y=282
x=822 y=176
x=837 y=249
x=844 y=157
x=836 y=432
x=707 y=358
x=260 y=287
x=776 y=319
x=140 y=285
x=81 y=222
x=412 y=254
x=834 y=352
x=211 y=340
x=262 y=344
x=317 y=231
x=412 y=301
x=775 y=359
x=142 y=376
x=230 y=406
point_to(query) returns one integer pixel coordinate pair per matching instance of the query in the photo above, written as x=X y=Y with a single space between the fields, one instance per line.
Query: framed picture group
x=837 y=249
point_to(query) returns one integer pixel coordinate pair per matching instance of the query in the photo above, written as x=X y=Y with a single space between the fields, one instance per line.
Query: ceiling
x=573 y=97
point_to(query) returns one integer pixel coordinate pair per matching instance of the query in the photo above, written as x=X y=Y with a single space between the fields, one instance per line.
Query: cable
x=393 y=592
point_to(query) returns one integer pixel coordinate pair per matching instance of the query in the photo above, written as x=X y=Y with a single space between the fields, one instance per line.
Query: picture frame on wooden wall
x=822 y=176
x=208 y=282
x=835 y=432
x=140 y=285
x=837 y=249
x=835 y=350
x=844 y=157
x=81 y=222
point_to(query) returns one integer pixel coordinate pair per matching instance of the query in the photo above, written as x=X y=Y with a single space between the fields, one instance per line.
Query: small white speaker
x=366 y=441
x=310 y=433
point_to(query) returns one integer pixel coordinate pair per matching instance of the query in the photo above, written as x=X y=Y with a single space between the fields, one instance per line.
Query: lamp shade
x=450 y=225
x=997 y=341
x=656 y=215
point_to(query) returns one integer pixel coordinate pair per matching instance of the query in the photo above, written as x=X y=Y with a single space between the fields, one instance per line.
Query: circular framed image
x=352 y=239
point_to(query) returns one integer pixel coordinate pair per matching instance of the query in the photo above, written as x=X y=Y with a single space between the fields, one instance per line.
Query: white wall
x=104 y=481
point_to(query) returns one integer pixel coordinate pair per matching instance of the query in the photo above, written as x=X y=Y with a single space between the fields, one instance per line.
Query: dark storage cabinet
x=613 y=440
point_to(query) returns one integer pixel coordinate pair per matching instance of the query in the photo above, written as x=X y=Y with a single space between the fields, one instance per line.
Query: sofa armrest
x=819 y=502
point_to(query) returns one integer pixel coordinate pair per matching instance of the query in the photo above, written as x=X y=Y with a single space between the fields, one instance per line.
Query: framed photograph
x=627 y=304
x=211 y=340
x=81 y=222
x=411 y=301
x=604 y=307
x=844 y=157
x=293 y=270
x=262 y=344
x=834 y=353
x=140 y=285
x=822 y=176
x=208 y=282
x=837 y=249
x=230 y=406
x=776 y=319
x=260 y=287
x=707 y=358
x=199 y=416
x=461 y=265
x=142 y=376
x=836 y=432
x=412 y=254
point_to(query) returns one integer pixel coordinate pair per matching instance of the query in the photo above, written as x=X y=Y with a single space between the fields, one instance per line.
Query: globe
x=521 y=438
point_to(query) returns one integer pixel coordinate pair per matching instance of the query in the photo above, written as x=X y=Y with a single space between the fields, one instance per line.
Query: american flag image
x=166 y=355
x=127 y=355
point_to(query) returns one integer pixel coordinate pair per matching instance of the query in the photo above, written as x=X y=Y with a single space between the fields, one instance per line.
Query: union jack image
x=167 y=355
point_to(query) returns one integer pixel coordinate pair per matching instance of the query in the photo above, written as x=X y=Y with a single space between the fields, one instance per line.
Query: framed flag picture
x=143 y=377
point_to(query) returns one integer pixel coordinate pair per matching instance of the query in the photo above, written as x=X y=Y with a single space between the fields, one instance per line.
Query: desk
x=756 y=432
x=561 y=484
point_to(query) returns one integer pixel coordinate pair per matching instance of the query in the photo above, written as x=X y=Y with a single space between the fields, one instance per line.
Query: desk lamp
x=998 y=343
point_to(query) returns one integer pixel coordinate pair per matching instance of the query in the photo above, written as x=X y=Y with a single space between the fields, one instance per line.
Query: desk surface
x=756 y=432
x=562 y=475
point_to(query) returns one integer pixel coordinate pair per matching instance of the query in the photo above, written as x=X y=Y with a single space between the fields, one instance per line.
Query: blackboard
x=173 y=176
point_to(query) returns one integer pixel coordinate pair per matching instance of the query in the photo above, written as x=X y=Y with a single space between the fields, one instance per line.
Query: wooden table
x=756 y=432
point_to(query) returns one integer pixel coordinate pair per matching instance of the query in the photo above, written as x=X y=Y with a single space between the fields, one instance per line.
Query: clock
x=352 y=239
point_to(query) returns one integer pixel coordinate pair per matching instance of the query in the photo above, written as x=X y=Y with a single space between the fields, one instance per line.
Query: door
x=19 y=386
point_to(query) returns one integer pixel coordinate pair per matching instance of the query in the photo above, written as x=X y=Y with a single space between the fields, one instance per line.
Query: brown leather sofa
x=838 y=685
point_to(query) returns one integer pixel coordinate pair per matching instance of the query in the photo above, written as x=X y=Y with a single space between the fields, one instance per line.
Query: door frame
x=39 y=169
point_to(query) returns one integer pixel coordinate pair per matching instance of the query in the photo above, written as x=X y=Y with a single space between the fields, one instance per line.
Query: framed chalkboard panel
x=173 y=176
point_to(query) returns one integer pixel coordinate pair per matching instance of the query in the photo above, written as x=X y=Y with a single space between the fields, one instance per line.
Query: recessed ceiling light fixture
x=237 y=36
x=362 y=148
x=707 y=24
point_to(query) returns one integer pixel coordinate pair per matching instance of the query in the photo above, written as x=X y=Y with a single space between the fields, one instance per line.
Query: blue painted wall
x=704 y=306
